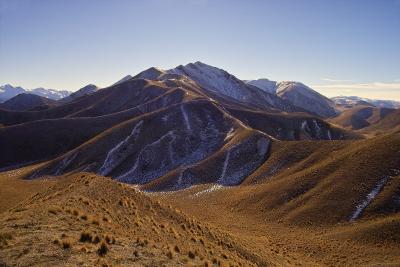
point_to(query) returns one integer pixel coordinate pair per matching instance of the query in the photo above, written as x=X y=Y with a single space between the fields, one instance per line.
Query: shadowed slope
x=361 y=116
x=24 y=102
x=30 y=142
x=389 y=123
x=106 y=101
x=292 y=126
x=143 y=149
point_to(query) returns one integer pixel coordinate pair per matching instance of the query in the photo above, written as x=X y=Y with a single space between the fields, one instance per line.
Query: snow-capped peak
x=8 y=91
x=303 y=96
x=264 y=84
x=213 y=79
x=353 y=100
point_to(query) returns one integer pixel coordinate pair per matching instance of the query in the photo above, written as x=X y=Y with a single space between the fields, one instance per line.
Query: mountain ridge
x=8 y=91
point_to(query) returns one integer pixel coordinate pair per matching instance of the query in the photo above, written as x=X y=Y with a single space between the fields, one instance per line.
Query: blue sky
x=339 y=47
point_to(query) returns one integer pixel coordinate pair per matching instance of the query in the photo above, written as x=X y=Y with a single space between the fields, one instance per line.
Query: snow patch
x=208 y=190
x=262 y=146
x=146 y=149
x=304 y=125
x=120 y=152
x=186 y=119
x=180 y=179
x=229 y=134
x=65 y=163
x=329 y=135
x=226 y=162
x=318 y=130
x=371 y=196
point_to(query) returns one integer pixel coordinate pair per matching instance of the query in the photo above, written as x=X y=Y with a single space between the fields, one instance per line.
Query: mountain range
x=354 y=100
x=8 y=91
x=299 y=96
x=193 y=166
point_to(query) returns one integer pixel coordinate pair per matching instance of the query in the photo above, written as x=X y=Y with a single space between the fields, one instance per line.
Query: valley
x=192 y=166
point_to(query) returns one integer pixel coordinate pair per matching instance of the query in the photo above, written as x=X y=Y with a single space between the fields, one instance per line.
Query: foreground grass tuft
x=102 y=250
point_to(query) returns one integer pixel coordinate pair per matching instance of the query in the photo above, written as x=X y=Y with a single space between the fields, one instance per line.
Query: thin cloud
x=335 y=80
x=362 y=86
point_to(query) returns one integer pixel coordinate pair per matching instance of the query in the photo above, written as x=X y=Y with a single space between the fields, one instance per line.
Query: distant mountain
x=50 y=93
x=355 y=100
x=88 y=89
x=361 y=116
x=24 y=101
x=8 y=91
x=264 y=84
x=303 y=96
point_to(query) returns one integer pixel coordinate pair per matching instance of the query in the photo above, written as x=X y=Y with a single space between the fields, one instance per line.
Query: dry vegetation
x=293 y=213
x=89 y=220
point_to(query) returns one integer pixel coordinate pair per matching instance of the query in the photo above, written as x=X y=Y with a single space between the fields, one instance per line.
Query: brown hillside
x=361 y=116
x=93 y=221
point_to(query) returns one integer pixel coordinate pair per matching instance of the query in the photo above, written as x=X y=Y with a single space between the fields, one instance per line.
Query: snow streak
x=185 y=117
x=319 y=134
x=145 y=149
x=375 y=191
x=64 y=163
x=225 y=166
x=329 y=135
x=208 y=190
x=116 y=155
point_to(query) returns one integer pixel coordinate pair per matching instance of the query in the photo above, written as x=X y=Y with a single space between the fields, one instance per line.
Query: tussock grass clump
x=4 y=238
x=109 y=239
x=169 y=255
x=191 y=255
x=141 y=243
x=177 y=250
x=103 y=249
x=96 y=239
x=86 y=237
x=66 y=244
x=53 y=211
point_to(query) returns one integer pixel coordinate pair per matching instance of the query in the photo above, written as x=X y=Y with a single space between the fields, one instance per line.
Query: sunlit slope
x=324 y=182
x=89 y=220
